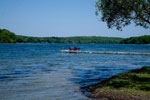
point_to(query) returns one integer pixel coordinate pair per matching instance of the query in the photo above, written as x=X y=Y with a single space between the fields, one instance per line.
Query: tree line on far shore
x=137 y=40
x=9 y=37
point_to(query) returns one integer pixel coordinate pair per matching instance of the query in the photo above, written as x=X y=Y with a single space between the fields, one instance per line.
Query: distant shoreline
x=71 y=43
x=9 y=37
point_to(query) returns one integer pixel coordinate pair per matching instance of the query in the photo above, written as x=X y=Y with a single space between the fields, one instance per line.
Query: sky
x=60 y=18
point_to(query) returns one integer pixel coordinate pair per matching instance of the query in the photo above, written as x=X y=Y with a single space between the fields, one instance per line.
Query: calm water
x=40 y=72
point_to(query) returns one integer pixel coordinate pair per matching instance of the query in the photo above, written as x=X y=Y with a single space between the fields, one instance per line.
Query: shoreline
x=133 y=85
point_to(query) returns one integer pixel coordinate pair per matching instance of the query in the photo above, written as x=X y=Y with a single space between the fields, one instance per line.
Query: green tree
x=120 y=13
x=7 y=37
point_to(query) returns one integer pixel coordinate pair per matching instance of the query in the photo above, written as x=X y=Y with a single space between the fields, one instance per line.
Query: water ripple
x=40 y=72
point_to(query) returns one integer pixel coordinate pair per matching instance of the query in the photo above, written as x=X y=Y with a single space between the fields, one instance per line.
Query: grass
x=134 y=85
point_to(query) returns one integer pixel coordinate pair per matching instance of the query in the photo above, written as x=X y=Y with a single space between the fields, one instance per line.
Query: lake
x=40 y=72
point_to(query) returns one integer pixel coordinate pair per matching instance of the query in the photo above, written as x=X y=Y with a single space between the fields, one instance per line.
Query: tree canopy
x=120 y=13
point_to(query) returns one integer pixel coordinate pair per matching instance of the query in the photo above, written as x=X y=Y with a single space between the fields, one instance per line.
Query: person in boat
x=75 y=49
x=70 y=49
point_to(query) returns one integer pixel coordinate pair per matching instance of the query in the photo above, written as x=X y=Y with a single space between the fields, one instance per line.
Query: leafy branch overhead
x=120 y=13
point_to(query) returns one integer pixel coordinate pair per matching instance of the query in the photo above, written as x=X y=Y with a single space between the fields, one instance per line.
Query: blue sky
x=45 y=18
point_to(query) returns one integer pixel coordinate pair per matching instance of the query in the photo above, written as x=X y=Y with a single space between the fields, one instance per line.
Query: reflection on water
x=40 y=72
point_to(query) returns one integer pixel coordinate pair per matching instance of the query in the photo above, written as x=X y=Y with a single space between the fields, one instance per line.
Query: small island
x=134 y=85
